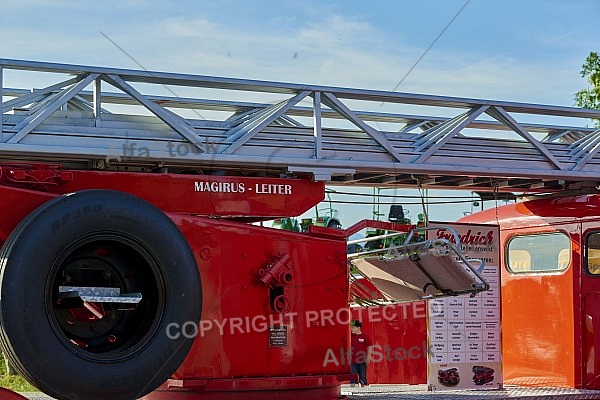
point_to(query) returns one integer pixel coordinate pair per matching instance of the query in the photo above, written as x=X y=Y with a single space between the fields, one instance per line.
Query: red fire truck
x=549 y=249
x=133 y=260
x=549 y=252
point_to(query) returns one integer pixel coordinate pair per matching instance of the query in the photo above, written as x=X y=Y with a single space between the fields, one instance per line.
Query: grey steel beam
x=89 y=106
x=249 y=120
x=37 y=94
x=583 y=145
x=588 y=151
x=289 y=88
x=442 y=130
x=321 y=173
x=289 y=121
x=242 y=108
x=502 y=116
x=30 y=123
x=411 y=126
x=171 y=119
x=317 y=125
x=247 y=131
x=436 y=180
x=337 y=105
x=97 y=101
x=449 y=131
x=268 y=138
x=559 y=134
x=79 y=104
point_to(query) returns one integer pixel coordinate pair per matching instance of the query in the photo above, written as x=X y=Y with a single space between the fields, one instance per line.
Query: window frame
x=586 y=268
x=556 y=271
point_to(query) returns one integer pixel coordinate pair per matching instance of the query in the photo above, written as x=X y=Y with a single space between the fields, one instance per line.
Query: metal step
x=414 y=392
x=89 y=118
x=99 y=294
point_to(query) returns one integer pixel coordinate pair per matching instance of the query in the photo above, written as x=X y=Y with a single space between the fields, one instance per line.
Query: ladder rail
x=177 y=79
x=444 y=151
x=554 y=132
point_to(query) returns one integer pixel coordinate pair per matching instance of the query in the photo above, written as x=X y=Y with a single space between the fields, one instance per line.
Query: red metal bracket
x=277 y=273
x=368 y=223
x=34 y=176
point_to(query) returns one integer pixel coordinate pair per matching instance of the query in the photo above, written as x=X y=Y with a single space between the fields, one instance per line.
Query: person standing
x=360 y=352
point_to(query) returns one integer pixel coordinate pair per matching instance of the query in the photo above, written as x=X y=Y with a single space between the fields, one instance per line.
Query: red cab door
x=590 y=307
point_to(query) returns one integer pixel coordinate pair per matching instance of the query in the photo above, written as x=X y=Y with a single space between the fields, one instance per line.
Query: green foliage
x=590 y=97
x=15 y=383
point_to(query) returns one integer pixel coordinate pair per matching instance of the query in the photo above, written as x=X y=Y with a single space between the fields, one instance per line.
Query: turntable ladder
x=107 y=118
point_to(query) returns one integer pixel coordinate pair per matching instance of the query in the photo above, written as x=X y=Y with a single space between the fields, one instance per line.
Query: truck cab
x=550 y=290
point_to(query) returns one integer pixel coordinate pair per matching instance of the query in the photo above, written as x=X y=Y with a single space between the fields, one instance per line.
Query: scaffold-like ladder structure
x=84 y=119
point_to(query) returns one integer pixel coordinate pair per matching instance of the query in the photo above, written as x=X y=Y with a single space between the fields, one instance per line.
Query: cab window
x=592 y=253
x=539 y=252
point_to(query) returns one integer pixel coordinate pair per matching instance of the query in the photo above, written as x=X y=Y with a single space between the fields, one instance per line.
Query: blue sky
x=527 y=50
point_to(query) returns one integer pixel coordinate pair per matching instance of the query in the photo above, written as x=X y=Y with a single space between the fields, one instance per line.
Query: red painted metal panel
x=399 y=335
x=591 y=341
x=16 y=204
x=275 y=388
x=222 y=196
x=542 y=212
x=538 y=329
x=233 y=337
x=588 y=330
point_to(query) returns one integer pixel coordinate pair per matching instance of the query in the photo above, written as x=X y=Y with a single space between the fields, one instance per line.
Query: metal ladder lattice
x=330 y=132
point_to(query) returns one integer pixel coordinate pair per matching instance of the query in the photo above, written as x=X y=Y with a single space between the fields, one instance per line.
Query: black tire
x=97 y=238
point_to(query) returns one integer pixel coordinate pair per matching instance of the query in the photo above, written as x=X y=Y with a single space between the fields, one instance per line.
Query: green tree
x=590 y=97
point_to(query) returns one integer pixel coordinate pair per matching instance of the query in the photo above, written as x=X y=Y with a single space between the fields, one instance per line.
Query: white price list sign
x=464 y=333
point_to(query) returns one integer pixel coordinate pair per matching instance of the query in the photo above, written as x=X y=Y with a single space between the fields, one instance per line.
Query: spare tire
x=97 y=349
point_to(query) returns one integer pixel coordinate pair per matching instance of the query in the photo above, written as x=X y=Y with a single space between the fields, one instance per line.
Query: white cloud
x=181 y=27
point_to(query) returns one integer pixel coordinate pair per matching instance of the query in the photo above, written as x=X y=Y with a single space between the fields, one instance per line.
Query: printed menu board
x=464 y=332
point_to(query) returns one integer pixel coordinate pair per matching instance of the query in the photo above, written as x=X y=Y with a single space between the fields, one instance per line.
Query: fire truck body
x=129 y=259
x=549 y=290
x=247 y=294
x=549 y=295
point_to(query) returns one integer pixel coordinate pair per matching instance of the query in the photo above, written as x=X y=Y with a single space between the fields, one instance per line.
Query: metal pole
x=97 y=99
x=317 y=125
